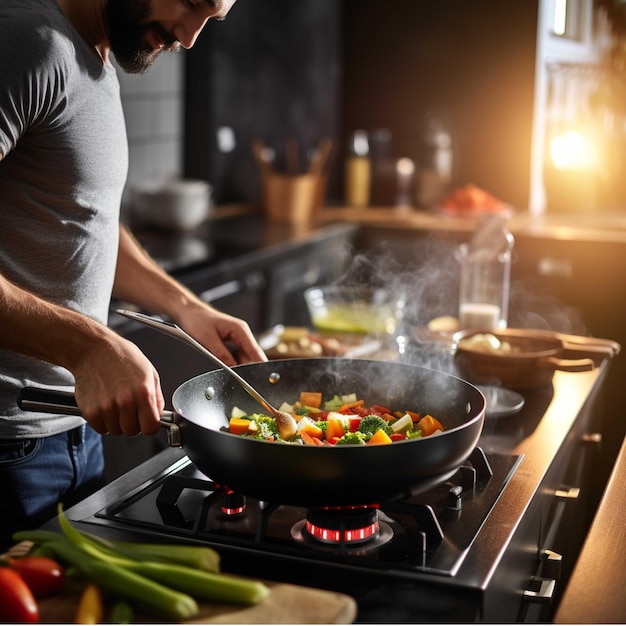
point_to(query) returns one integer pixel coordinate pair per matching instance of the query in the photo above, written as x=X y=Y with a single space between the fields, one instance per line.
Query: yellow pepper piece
x=90 y=606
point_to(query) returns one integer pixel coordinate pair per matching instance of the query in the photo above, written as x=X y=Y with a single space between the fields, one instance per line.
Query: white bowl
x=176 y=204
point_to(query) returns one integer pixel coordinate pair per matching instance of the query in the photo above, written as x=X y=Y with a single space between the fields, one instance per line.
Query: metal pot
x=326 y=475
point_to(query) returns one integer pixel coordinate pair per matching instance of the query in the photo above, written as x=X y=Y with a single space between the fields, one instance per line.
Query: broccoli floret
x=371 y=423
x=414 y=434
x=357 y=438
x=267 y=427
x=322 y=424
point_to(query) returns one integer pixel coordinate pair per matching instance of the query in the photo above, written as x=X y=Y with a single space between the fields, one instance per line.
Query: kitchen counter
x=595 y=594
x=235 y=234
x=610 y=227
x=237 y=231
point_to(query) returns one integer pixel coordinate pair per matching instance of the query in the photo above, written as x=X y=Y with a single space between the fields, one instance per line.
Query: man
x=63 y=163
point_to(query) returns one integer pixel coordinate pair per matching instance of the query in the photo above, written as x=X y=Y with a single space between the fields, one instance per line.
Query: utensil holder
x=292 y=198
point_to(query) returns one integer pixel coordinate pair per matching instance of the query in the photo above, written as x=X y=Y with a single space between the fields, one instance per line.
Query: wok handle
x=54 y=401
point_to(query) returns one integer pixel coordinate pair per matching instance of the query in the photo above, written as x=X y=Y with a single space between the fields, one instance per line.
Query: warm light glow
x=559 y=23
x=573 y=151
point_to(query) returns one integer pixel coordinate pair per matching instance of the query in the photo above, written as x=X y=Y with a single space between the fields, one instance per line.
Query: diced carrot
x=428 y=425
x=334 y=429
x=312 y=430
x=388 y=417
x=416 y=417
x=308 y=440
x=317 y=441
x=311 y=398
x=238 y=425
x=332 y=440
x=380 y=436
x=350 y=405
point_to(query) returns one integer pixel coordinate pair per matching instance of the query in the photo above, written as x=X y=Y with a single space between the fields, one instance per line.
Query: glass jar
x=486 y=276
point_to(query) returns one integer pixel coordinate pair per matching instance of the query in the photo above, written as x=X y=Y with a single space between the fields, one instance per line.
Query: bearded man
x=63 y=253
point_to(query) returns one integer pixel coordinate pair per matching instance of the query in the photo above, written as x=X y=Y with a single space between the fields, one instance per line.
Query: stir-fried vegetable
x=342 y=420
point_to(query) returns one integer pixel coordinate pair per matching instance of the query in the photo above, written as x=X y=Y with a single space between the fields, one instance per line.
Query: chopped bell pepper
x=380 y=436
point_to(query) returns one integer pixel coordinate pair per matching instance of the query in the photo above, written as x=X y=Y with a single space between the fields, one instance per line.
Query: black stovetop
x=424 y=535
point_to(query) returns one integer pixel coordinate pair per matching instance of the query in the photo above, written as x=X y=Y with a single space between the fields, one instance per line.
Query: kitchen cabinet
x=544 y=549
x=599 y=571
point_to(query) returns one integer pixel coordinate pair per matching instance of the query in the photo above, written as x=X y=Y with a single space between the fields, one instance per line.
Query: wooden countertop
x=595 y=593
x=610 y=227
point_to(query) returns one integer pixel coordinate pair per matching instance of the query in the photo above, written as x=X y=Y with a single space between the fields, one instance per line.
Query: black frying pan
x=333 y=475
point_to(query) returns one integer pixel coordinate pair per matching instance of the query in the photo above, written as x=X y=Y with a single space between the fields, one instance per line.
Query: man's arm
x=140 y=280
x=117 y=388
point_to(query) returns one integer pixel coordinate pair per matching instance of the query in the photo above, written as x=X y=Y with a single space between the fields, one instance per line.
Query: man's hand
x=117 y=388
x=213 y=329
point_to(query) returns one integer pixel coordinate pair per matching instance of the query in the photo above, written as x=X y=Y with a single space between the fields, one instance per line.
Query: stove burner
x=336 y=525
x=233 y=504
x=345 y=528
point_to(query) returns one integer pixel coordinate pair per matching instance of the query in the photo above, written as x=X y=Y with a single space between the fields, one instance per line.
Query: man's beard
x=127 y=23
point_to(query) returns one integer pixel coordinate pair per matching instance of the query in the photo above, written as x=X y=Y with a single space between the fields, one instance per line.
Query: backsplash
x=153 y=105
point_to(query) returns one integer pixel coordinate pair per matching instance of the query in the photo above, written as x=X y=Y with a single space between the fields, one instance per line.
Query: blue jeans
x=36 y=474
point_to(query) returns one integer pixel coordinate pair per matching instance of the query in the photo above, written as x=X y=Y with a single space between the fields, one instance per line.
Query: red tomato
x=377 y=408
x=17 y=603
x=43 y=576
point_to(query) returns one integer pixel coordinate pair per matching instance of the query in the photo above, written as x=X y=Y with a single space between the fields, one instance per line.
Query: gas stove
x=349 y=549
x=428 y=533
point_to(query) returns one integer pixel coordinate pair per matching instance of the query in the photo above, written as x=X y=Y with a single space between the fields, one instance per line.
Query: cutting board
x=286 y=604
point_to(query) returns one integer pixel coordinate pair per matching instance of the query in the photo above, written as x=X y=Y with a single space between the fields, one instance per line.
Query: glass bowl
x=357 y=309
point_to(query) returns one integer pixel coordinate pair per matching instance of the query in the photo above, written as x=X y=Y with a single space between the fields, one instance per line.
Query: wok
x=330 y=475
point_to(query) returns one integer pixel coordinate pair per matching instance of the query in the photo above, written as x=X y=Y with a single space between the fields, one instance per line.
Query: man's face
x=139 y=30
x=128 y=21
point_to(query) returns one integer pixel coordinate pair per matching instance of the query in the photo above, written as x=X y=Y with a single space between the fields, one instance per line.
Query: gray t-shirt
x=63 y=139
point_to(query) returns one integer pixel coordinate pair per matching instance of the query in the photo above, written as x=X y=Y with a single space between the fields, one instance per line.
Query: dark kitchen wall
x=313 y=68
x=468 y=63
x=270 y=71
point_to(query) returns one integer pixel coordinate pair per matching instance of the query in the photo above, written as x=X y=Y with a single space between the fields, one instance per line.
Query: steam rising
x=427 y=284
